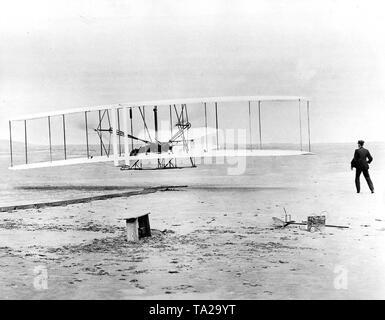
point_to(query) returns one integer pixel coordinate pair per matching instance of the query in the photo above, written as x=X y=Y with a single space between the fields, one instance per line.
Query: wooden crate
x=138 y=226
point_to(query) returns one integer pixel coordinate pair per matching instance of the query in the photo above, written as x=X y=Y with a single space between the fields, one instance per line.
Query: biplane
x=117 y=142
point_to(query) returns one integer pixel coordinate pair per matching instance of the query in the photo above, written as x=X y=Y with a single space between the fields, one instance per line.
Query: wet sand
x=214 y=238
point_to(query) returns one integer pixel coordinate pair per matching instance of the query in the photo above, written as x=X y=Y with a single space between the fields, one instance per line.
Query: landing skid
x=162 y=164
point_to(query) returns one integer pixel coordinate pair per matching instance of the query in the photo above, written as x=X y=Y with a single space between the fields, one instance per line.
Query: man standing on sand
x=362 y=165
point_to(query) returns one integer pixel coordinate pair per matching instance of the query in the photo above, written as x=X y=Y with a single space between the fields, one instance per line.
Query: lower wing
x=223 y=153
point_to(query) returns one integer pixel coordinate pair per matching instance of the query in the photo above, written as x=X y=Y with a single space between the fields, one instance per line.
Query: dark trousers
x=367 y=177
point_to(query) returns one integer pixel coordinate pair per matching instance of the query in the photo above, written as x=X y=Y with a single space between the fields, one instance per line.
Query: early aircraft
x=114 y=123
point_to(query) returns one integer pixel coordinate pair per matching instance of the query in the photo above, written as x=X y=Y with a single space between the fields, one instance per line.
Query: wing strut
x=86 y=121
x=118 y=114
x=260 y=127
x=114 y=135
x=182 y=126
x=132 y=131
x=10 y=142
x=64 y=138
x=125 y=128
x=251 y=143
x=49 y=138
x=206 y=125
x=300 y=123
x=99 y=131
x=308 y=123
x=25 y=142
x=185 y=109
x=170 y=122
x=156 y=127
x=144 y=123
x=100 y=137
x=216 y=123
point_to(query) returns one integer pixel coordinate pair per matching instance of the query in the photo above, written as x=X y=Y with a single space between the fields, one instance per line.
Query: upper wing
x=151 y=103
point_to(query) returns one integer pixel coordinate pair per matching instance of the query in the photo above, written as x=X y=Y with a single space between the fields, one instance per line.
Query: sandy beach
x=213 y=234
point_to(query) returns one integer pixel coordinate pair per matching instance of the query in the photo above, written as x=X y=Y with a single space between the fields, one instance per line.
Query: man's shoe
x=372 y=191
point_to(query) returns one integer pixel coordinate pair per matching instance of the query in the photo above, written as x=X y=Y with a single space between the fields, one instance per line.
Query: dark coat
x=359 y=160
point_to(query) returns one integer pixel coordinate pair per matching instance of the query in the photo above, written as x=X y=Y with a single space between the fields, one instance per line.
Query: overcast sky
x=62 y=54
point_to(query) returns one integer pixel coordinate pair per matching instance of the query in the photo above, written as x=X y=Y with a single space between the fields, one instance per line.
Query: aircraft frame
x=119 y=116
